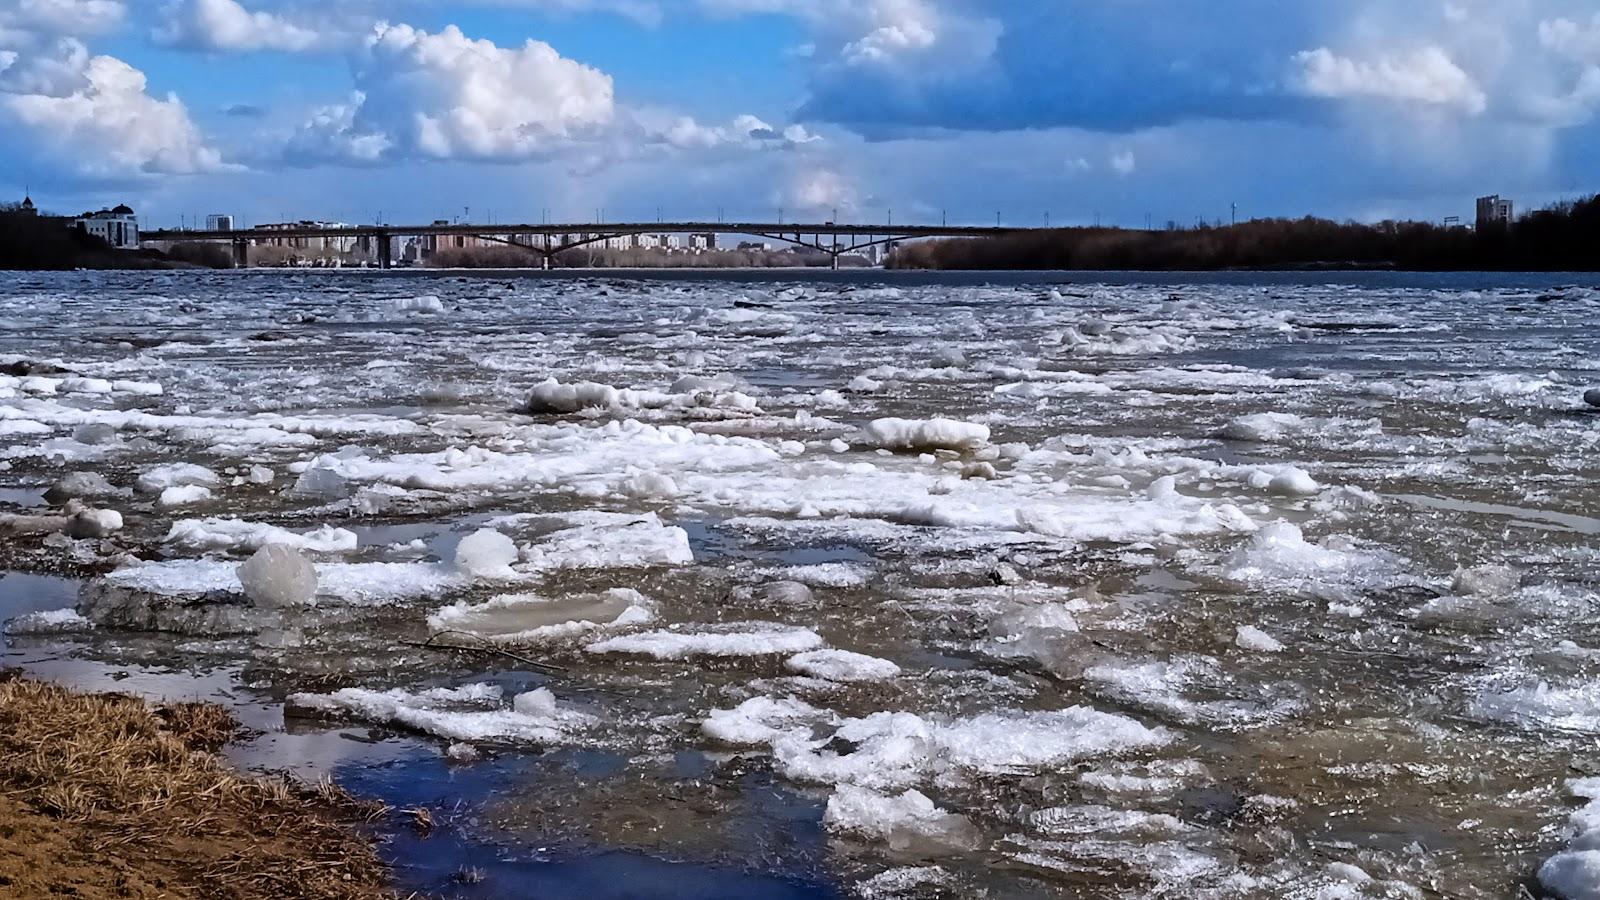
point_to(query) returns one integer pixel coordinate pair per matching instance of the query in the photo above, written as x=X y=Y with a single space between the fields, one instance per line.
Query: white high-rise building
x=219 y=222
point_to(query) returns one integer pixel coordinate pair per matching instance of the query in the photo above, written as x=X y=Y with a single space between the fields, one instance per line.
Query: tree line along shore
x=1565 y=237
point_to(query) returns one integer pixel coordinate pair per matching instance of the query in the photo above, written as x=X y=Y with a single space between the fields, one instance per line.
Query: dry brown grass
x=135 y=792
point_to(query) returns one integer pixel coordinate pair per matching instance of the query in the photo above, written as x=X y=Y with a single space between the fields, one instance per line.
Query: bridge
x=546 y=242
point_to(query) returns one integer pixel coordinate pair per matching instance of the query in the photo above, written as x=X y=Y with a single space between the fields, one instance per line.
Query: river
x=856 y=584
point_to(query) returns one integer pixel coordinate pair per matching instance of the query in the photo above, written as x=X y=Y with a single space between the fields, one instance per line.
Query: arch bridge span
x=545 y=242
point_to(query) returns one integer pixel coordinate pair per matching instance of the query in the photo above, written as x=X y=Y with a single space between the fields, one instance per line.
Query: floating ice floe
x=609 y=541
x=183 y=495
x=532 y=618
x=223 y=432
x=761 y=720
x=897 y=750
x=1167 y=688
x=903 y=881
x=1536 y=704
x=354 y=584
x=552 y=396
x=925 y=434
x=76 y=384
x=427 y=303
x=748 y=476
x=471 y=713
x=1279 y=427
x=908 y=822
x=93 y=523
x=76 y=485
x=54 y=621
x=736 y=639
x=1335 y=568
x=1249 y=637
x=163 y=478
x=1574 y=873
x=225 y=534
x=842 y=666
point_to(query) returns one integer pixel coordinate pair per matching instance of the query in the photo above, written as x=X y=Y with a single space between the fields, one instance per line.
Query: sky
x=1026 y=112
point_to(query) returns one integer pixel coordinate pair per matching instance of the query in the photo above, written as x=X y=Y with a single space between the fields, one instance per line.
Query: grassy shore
x=105 y=795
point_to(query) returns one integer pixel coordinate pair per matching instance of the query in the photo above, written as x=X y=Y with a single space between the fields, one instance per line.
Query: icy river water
x=872 y=585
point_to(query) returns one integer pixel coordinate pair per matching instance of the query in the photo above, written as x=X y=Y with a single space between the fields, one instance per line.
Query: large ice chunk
x=174 y=475
x=907 y=823
x=183 y=495
x=487 y=554
x=926 y=434
x=94 y=523
x=278 y=575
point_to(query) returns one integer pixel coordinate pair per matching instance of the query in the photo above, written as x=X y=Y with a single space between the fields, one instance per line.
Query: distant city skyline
x=1070 y=112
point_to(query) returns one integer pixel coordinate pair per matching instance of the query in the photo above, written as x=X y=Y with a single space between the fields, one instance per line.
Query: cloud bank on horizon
x=1132 y=111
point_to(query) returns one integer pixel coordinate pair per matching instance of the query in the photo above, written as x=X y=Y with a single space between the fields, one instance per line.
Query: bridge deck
x=608 y=228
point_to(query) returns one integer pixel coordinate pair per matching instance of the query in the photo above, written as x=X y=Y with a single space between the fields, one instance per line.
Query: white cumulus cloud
x=93 y=114
x=1426 y=76
x=446 y=96
x=909 y=36
x=227 y=25
x=1572 y=40
x=745 y=131
x=71 y=17
x=820 y=190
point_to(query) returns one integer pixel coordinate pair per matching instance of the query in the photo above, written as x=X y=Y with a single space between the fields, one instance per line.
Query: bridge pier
x=385 y=251
x=241 y=253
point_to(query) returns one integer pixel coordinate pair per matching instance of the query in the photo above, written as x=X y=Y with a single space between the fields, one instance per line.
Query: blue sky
x=1118 y=111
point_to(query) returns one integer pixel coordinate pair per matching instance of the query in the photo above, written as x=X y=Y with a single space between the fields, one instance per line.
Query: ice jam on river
x=1239 y=587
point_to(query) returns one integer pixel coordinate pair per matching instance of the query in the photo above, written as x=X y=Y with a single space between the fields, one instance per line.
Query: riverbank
x=105 y=795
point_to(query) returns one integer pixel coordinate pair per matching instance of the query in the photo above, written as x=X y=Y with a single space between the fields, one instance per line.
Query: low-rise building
x=118 y=227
